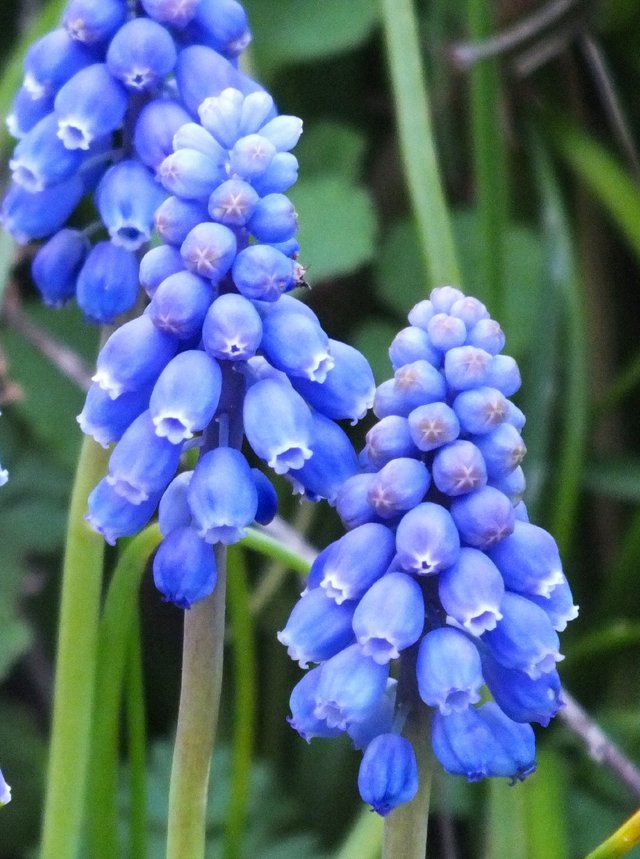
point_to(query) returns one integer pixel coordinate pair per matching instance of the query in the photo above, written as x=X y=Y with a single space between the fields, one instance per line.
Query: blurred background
x=536 y=112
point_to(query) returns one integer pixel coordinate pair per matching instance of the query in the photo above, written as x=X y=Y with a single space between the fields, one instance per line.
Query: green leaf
x=401 y=275
x=15 y=640
x=337 y=226
x=615 y=478
x=331 y=147
x=373 y=340
x=303 y=30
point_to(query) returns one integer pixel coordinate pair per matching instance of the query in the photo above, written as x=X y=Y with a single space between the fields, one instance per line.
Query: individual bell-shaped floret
x=529 y=560
x=296 y=344
x=350 y=565
x=388 y=439
x=512 y=485
x=127 y=198
x=56 y=266
x=388 y=774
x=106 y=419
x=154 y=131
x=82 y=116
x=484 y=517
x=349 y=688
x=278 y=424
x=480 y=410
x=141 y=54
x=467 y=367
x=222 y=496
x=93 y=21
x=502 y=450
x=262 y=272
x=558 y=606
x=175 y=218
x=26 y=111
x=209 y=250
x=190 y=174
x=223 y=25
x=471 y=591
x=446 y=332
x=113 y=516
x=427 y=539
x=469 y=309
x=520 y=697
x=233 y=202
x=415 y=385
x=107 y=283
x=317 y=628
x=186 y=395
x=177 y=13
x=458 y=468
x=202 y=73
x=250 y=156
x=524 y=638
x=142 y=463
x=221 y=115
x=352 y=501
x=156 y=265
x=232 y=329
x=303 y=704
x=51 y=61
x=184 y=568
x=389 y=617
x=433 y=425
x=180 y=303
x=279 y=176
x=273 y=219
x=399 y=486
x=488 y=335
x=348 y=389
x=29 y=216
x=516 y=759
x=333 y=460
x=413 y=344
x=174 y=510
x=504 y=375
x=381 y=720
x=267 y=497
x=449 y=670
x=41 y=159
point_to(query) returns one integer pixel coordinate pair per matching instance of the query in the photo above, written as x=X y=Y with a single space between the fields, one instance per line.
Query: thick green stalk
x=405 y=829
x=75 y=667
x=417 y=142
x=137 y=745
x=197 y=721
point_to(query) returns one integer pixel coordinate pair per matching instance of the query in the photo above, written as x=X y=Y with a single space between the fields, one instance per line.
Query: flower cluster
x=101 y=99
x=221 y=354
x=5 y=791
x=440 y=573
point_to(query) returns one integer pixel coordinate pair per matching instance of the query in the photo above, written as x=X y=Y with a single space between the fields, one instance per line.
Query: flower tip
x=5 y=791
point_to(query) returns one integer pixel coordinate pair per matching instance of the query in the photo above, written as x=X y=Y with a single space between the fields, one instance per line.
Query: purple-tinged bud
x=221 y=115
x=504 y=375
x=192 y=135
x=142 y=463
x=209 y=250
x=524 y=639
x=303 y=704
x=483 y=518
x=82 y=116
x=127 y=198
x=223 y=25
x=381 y=719
x=177 y=13
x=257 y=108
x=471 y=591
x=520 y=512
x=459 y=468
x=273 y=219
x=111 y=515
x=156 y=265
x=156 y=125
x=467 y=367
x=133 y=357
x=480 y=410
x=388 y=439
x=515 y=416
x=449 y=670
x=421 y=313
x=56 y=266
x=389 y=617
x=502 y=450
x=222 y=496
x=433 y=425
x=529 y=561
x=558 y=606
x=399 y=486
x=141 y=54
x=267 y=497
x=173 y=510
x=105 y=419
x=352 y=504
x=190 y=174
x=486 y=334
x=186 y=395
x=412 y=344
x=350 y=688
x=233 y=202
x=446 y=332
x=251 y=156
x=296 y=344
x=355 y=561
x=40 y=159
x=107 y=283
x=262 y=272
x=470 y=310
x=427 y=539
x=29 y=216
x=93 y=21
x=280 y=175
x=413 y=385
x=175 y=218
x=232 y=328
x=318 y=628
x=347 y=391
x=184 y=568
x=444 y=297
x=333 y=460
x=520 y=697
x=278 y=424
x=283 y=132
x=52 y=61
x=201 y=73
x=388 y=774
x=512 y=485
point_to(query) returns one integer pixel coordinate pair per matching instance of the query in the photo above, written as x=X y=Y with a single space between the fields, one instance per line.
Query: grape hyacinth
x=441 y=592
x=5 y=791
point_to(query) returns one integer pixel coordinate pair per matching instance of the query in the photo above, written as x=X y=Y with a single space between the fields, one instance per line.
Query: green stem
x=137 y=743
x=244 y=664
x=405 y=829
x=76 y=666
x=489 y=159
x=621 y=842
x=364 y=838
x=116 y=629
x=417 y=143
x=197 y=721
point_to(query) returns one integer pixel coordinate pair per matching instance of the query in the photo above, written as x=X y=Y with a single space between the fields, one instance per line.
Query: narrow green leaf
x=615 y=478
x=546 y=799
x=506 y=824
x=364 y=839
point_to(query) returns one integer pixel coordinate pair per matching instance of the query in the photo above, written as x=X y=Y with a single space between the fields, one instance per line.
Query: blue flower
x=5 y=791
x=388 y=773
